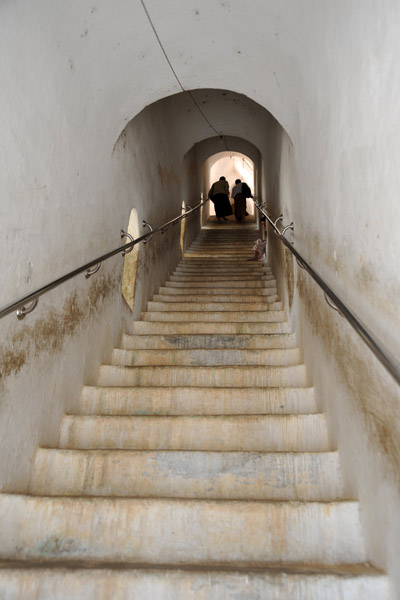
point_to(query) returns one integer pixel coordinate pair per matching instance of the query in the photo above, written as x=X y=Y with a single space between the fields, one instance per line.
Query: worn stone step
x=230 y=257
x=227 y=262
x=215 y=298
x=177 y=328
x=220 y=292
x=234 y=258
x=306 y=476
x=217 y=278
x=239 y=242
x=248 y=265
x=232 y=248
x=253 y=376
x=351 y=583
x=206 y=357
x=215 y=275
x=248 y=433
x=179 y=531
x=243 y=243
x=259 y=283
x=229 y=234
x=271 y=316
x=231 y=230
x=203 y=306
x=210 y=268
x=233 y=271
x=195 y=401
x=221 y=254
x=228 y=241
x=240 y=247
x=241 y=254
x=166 y=342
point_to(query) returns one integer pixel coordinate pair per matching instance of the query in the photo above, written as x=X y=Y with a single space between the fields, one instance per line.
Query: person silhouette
x=240 y=192
x=219 y=195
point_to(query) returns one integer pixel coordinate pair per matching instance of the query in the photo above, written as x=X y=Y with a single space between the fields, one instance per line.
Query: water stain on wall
x=167 y=176
x=362 y=378
x=361 y=274
x=48 y=333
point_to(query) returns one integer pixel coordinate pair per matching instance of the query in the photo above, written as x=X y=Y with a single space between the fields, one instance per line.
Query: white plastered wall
x=76 y=73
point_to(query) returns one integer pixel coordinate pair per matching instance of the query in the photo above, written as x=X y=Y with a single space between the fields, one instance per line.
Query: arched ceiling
x=212 y=147
x=100 y=61
x=243 y=122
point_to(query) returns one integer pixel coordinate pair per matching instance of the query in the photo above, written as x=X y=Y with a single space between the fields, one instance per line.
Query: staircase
x=198 y=468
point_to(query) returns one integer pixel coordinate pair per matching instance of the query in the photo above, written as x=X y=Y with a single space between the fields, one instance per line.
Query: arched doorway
x=232 y=165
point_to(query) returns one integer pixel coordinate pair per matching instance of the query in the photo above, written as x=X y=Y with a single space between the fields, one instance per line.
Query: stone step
x=204 y=306
x=239 y=240
x=244 y=243
x=166 y=342
x=216 y=279
x=254 y=376
x=210 y=268
x=195 y=401
x=221 y=252
x=221 y=246
x=229 y=233
x=216 y=274
x=228 y=261
x=232 y=271
x=234 y=232
x=206 y=357
x=258 y=283
x=222 y=243
x=224 y=256
x=215 y=245
x=305 y=476
x=353 y=583
x=214 y=298
x=237 y=255
x=256 y=293
x=238 y=245
x=251 y=266
x=179 y=531
x=177 y=328
x=240 y=252
x=237 y=268
x=236 y=317
x=226 y=433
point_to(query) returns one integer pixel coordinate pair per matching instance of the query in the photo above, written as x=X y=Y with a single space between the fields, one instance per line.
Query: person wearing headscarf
x=240 y=192
x=219 y=195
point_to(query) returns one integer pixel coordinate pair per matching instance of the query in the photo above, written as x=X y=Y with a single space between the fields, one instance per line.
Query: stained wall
x=77 y=73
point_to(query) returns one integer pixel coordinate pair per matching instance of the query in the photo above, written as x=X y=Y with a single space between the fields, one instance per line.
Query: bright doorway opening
x=232 y=165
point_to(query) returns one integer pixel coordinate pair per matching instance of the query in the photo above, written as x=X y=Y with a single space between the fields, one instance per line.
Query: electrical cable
x=219 y=133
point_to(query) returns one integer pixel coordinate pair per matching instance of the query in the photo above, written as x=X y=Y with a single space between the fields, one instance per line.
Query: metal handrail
x=33 y=298
x=383 y=355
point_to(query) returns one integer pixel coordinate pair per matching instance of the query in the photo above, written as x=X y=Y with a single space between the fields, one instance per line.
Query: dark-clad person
x=240 y=192
x=219 y=194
